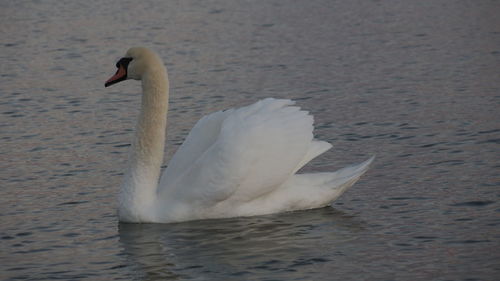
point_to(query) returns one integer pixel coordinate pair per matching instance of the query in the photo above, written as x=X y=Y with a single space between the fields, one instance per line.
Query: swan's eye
x=123 y=62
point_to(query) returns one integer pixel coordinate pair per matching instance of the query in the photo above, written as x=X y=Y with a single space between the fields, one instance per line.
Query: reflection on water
x=281 y=246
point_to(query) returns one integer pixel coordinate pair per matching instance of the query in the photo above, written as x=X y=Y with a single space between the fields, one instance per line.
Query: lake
x=415 y=82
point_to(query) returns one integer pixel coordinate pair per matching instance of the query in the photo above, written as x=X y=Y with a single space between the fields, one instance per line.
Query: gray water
x=415 y=82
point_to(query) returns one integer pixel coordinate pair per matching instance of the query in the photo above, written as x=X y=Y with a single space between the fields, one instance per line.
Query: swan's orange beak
x=120 y=75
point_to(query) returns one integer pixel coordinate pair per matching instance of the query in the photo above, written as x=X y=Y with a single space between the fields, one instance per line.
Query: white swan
x=238 y=162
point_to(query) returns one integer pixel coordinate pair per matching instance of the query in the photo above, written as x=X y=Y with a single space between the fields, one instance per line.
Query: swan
x=237 y=162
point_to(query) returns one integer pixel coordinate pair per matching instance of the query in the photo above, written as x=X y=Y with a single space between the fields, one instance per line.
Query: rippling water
x=415 y=82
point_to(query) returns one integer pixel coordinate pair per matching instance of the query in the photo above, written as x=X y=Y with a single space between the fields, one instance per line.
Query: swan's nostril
x=120 y=75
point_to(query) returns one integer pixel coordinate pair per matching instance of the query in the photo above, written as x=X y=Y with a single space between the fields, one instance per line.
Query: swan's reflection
x=232 y=248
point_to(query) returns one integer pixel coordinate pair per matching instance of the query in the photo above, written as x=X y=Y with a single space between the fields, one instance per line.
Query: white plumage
x=238 y=162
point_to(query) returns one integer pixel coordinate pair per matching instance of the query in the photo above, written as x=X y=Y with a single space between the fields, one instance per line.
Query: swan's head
x=136 y=63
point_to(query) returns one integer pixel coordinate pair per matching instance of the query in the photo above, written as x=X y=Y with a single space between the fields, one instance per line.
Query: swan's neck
x=138 y=193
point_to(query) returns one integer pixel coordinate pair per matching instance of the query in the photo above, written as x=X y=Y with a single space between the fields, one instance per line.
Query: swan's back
x=240 y=152
x=237 y=158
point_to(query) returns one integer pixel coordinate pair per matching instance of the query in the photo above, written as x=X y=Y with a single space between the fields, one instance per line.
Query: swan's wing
x=200 y=138
x=315 y=149
x=257 y=149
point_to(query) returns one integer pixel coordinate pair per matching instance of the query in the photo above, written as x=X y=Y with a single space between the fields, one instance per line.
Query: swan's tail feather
x=344 y=178
x=353 y=171
x=308 y=191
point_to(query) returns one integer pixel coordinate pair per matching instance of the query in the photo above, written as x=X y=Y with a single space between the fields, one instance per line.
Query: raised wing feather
x=250 y=152
x=200 y=138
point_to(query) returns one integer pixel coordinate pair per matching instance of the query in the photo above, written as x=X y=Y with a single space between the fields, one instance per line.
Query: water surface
x=415 y=82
